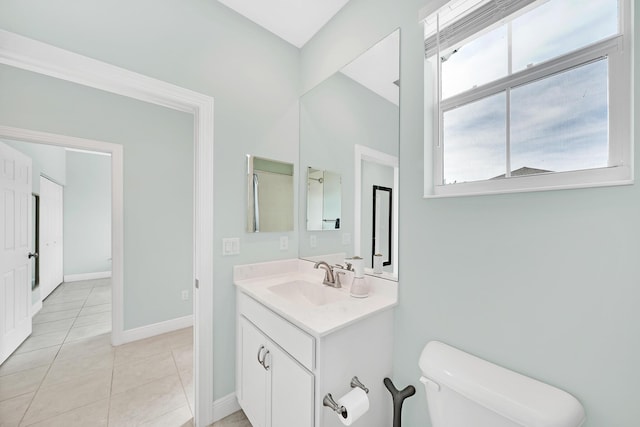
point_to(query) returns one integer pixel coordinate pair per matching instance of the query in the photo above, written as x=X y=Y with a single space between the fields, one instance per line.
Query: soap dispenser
x=359 y=287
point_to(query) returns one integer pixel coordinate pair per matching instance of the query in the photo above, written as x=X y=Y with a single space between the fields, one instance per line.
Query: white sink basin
x=303 y=292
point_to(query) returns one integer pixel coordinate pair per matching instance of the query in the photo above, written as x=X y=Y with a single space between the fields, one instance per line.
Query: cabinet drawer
x=293 y=340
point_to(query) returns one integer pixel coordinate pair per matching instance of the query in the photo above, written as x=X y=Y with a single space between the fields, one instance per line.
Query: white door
x=51 y=232
x=15 y=238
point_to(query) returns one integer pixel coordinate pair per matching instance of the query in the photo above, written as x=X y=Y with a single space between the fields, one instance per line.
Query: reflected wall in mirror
x=270 y=195
x=324 y=199
x=357 y=106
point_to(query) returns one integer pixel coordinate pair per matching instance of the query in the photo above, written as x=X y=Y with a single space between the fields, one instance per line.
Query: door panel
x=8 y=289
x=9 y=219
x=291 y=391
x=15 y=268
x=253 y=375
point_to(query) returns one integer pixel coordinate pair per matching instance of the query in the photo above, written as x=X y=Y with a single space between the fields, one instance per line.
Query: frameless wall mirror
x=324 y=199
x=356 y=107
x=270 y=195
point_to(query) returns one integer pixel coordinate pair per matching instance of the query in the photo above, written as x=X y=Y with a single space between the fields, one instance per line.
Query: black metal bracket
x=398 y=397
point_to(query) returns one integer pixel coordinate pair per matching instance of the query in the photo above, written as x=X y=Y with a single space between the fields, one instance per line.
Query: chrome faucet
x=330 y=279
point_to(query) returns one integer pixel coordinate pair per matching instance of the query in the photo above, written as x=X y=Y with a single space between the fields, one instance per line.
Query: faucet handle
x=346 y=267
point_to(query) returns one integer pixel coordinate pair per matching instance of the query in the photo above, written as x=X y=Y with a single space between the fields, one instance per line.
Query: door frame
x=362 y=153
x=31 y=55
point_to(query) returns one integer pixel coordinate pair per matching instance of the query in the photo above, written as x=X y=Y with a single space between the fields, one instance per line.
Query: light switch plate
x=313 y=241
x=346 y=238
x=230 y=246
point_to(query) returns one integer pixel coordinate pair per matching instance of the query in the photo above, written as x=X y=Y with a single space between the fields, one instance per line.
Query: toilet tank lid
x=514 y=396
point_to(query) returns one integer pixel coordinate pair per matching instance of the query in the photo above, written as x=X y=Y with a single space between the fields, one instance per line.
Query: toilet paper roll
x=356 y=403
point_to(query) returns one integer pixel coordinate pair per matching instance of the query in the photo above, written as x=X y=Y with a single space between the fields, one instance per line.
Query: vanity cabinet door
x=253 y=375
x=292 y=391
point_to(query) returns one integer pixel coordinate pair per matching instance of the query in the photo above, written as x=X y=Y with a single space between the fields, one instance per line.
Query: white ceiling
x=296 y=21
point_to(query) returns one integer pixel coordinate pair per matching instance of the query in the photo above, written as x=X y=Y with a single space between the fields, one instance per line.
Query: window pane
x=486 y=56
x=474 y=140
x=561 y=123
x=561 y=26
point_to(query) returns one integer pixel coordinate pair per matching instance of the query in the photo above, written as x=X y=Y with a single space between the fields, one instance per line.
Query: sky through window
x=559 y=123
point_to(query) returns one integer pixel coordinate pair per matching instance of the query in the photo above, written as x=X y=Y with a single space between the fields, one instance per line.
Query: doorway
x=22 y=52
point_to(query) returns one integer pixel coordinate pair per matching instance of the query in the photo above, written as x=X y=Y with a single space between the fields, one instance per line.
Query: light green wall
x=204 y=46
x=87 y=214
x=334 y=117
x=158 y=159
x=543 y=283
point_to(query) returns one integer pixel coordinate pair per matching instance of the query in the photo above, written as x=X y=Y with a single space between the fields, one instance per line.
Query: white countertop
x=256 y=279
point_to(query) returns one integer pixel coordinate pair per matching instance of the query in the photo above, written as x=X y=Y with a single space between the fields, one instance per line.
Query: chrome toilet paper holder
x=329 y=401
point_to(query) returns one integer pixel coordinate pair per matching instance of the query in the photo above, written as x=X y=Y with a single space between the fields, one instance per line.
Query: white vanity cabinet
x=274 y=389
x=283 y=371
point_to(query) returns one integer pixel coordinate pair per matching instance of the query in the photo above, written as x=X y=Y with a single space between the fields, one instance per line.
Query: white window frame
x=619 y=51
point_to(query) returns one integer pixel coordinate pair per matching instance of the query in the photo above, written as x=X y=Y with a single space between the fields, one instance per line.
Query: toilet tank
x=464 y=390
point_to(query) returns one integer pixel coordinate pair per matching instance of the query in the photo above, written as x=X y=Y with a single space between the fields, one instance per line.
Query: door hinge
x=197 y=284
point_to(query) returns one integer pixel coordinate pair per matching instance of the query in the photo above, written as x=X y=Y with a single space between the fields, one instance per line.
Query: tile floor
x=68 y=374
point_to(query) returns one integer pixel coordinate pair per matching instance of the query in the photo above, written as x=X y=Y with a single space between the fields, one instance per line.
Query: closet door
x=51 y=229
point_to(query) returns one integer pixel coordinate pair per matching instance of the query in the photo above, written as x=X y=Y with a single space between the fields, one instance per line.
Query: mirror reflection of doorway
x=382 y=224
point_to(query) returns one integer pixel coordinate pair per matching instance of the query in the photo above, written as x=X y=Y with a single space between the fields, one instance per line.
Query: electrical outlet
x=313 y=241
x=185 y=295
x=230 y=246
x=284 y=243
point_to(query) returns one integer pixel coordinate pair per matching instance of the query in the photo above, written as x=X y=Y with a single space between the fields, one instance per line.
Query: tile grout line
x=184 y=391
x=177 y=371
x=64 y=341
x=148 y=381
x=37 y=390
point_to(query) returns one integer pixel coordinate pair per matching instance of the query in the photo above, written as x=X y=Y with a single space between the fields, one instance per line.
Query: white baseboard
x=86 y=276
x=225 y=406
x=154 y=329
x=35 y=308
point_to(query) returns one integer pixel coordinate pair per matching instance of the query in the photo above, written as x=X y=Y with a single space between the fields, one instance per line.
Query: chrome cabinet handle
x=264 y=359
x=33 y=255
x=259 y=352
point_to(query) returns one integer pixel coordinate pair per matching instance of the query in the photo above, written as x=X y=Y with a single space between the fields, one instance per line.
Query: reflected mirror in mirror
x=35 y=242
x=382 y=224
x=324 y=199
x=356 y=107
x=270 y=195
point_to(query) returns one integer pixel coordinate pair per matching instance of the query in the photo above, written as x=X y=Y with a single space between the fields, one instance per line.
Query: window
x=527 y=95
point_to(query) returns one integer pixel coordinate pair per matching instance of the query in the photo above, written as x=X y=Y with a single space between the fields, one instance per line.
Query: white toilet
x=466 y=391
